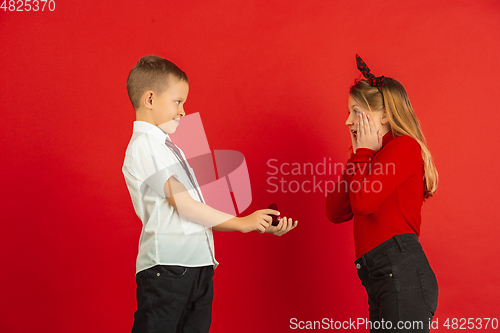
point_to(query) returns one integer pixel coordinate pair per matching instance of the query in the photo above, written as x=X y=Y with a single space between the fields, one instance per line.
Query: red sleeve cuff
x=362 y=155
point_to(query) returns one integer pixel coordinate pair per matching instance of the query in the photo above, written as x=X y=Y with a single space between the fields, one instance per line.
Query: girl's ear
x=384 y=119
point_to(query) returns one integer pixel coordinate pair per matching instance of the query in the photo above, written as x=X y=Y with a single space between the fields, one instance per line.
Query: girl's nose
x=348 y=121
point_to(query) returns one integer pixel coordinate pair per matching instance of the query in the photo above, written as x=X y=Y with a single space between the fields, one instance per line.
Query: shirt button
x=157 y=274
x=358 y=266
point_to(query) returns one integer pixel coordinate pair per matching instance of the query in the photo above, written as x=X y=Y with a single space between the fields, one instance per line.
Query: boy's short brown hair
x=151 y=73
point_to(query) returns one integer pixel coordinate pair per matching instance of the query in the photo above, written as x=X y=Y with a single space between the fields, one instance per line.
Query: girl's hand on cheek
x=368 y=136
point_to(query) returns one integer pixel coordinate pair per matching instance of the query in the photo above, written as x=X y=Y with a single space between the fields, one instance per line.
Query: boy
x=174 y=268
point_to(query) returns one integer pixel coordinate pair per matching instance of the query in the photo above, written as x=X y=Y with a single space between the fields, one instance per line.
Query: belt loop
x=400 y=243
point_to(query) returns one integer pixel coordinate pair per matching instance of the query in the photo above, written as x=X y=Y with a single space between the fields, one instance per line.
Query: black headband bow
x=372 y=79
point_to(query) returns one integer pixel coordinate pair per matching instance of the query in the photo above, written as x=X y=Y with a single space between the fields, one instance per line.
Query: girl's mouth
x=354 y=133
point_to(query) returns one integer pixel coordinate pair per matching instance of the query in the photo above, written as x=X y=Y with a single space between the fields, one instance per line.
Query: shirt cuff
x=157 y=182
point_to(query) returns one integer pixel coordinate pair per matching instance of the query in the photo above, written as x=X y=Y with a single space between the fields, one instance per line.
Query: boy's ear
x=147 y=99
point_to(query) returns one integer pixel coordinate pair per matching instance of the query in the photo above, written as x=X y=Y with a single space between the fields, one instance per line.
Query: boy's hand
x=258 y=221
x=284 y=226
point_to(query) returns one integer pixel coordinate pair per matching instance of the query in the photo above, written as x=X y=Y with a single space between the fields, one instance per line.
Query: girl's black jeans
x=401 y=285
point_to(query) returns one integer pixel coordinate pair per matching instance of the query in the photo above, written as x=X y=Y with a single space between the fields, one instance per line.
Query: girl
x=389 y=174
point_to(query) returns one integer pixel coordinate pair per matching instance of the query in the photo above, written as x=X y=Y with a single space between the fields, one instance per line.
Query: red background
x=270 y=79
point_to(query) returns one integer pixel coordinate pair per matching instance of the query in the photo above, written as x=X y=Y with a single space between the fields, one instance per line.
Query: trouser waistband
x=396 y=243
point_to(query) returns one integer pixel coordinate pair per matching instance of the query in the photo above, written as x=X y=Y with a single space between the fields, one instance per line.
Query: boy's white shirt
x=166 y=238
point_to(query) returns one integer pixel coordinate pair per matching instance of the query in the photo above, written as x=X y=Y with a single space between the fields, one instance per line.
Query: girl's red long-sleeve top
x=382 y=190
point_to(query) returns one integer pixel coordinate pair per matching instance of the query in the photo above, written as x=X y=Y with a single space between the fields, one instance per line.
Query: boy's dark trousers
x=174 y=299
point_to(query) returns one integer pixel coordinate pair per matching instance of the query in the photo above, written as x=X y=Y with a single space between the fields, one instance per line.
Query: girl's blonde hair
x=402 y=120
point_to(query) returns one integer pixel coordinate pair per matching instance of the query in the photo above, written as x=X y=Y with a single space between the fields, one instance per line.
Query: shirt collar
x=154 y=131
